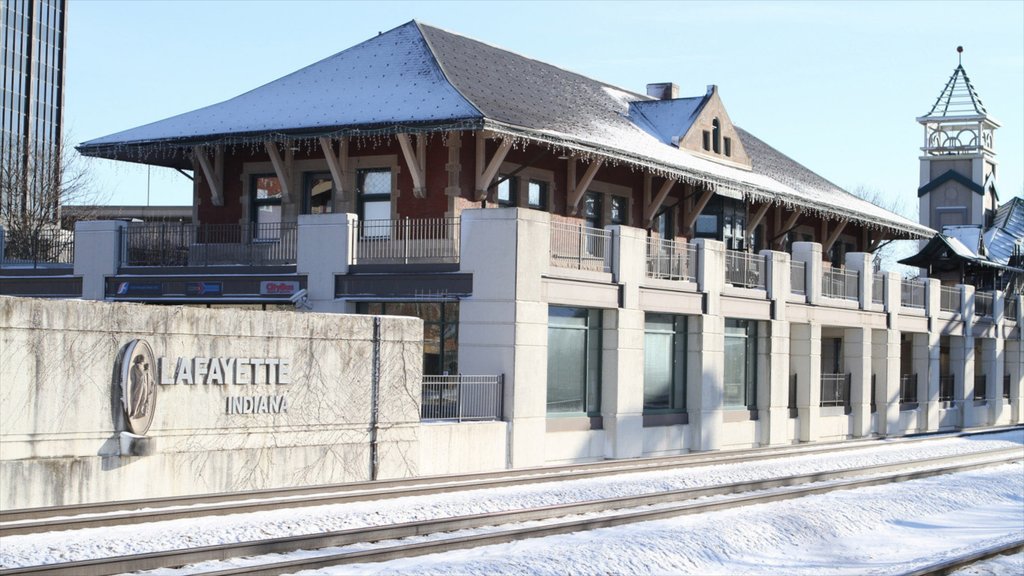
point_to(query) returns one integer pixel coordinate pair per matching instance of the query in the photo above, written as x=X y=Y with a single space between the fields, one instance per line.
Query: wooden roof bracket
x=338 y=164
x=758 y=216
x=577 y=190
x=833 y=236
x=656 y=203
x=787 y=227
x=691 y=217
x=416 y=161
x=485 y=174
x=214 y=173
x=282 y=168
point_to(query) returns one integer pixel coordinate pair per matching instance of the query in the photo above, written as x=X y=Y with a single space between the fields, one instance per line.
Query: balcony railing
x=167 y=244
x=878 y=288
x=980 y=386
x=462 y=397
x=671 y=259
x=912 y=293
x=1010 y=307
x=1006 y=386
x=580 y=247
x=406 y=241
x=798 y=277
x=33 y=248
x=840 y=283
x=949 y=299
x=908 y=389
x=744 y=269
x=946 y=388
x=982 y=303
x=835 y=389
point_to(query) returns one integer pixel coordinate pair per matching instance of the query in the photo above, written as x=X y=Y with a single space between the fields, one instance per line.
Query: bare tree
x=887 y=257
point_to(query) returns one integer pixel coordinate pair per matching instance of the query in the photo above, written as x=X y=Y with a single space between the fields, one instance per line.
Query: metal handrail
x=946 y=388
x=180 y=244
x=982 y=303
x=580 y=247
x=744 y=269
x=878 y=288
x=671 y=259
x=835 y=389
x=798 y=277
x=980 y=386
x=35 y=246
x=840 y=283
x=406 y=241
x=949 y=299
x=912 y=293
x=908 y=388
x=462 y=397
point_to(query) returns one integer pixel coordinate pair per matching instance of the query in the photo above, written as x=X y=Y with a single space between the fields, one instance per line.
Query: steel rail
x=117 y=513
x=954 y=564
x=787 y=487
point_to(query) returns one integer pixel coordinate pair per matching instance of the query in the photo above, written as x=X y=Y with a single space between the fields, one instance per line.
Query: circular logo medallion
x=138 y=386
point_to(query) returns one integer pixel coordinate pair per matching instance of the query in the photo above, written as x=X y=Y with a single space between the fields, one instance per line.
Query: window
x=664 y=223
x=707 y=140
x=593 y=208
x=740 y=364
x=728 y=146
x=508 y=191
x=373 y=189
x=574 y=361
x=537 y=195
x=664 y=363
x=619 y=210
x=440 y=330
x=716 y=136
x=317 y=193
x=266 y=207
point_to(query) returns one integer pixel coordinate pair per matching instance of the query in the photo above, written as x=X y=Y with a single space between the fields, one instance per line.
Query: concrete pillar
x=805 y=358
x=810 y=254
x=993 y=367
x=857 y=353
x=926 y=365
x=773 y=395
x=503 y=326
x=320 y=266
x=777 y=281
x=886 y=344
x=863 y=263
x=97 y=255
x=1014 y=351
x=962 y=361
x=706 y=344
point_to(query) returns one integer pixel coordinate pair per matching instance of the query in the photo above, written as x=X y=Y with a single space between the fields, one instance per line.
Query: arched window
x=716 y=136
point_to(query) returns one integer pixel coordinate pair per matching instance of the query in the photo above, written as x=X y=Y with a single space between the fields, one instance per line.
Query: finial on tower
x=960 y=55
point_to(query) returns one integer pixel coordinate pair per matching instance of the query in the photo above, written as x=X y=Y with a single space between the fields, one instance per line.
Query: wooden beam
x=486 y=175
x=336 y=164
x=216 y=186
x=453 y=142
x=691 y=217
x=579 y=189
x=832 y=237
x=758 y=217
x=280 y=168
x=882 y=237
x=415 y=161
x=656 y=203
x=786 y=227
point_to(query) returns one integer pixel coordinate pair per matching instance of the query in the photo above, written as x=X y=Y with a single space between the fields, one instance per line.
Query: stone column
x=993 y=350
x=810 y=254
x=805 y=356
x=1014 y=350
x=886 y=346
x=857 y=352
x=862 y=262
x=320 y=266
x=97 y=255
x=773 y=397
x=928 y=381
x=962 y=361
x=707 y=342
x=503 y=326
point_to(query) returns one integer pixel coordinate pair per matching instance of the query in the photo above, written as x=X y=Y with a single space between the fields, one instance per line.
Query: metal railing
x=840 y=283
x=908 y=388
x=171 y=244
x=949 y=298
x=798 y=277
x=671 y=259
x=744 y=269
x=580 y=247
x=794 y=411
x=874 y=393
x=35 y=247
x=835 y=389
x=1006 y=385
x=878 y=288
x=462 y=397
x=980 y=386
x=406 y=241
x=946 y=388
x=982 y=303
x=912 y=293
x=1010 y=307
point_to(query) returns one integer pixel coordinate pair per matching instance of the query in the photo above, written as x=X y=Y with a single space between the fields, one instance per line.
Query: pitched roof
x=958 y=98
x=421 y=78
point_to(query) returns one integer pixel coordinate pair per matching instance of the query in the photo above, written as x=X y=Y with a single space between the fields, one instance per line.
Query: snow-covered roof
x=667 y=120
x=421 y=78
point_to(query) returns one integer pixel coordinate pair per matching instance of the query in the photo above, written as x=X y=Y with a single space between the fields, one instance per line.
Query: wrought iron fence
x=840 y=283
x=580 y=247
x=908 y=389
x=36 y=247
x=407 y=240
x=949 y=298
x=798 y=277
x=946 y=388
x=835 y=389
x=980 y=386
x=179 y=244
x=1010 y=307
x=982 y=303
x=744 y=269
x=878 y=288
x=912 y=293
x=671 y=259
x=462 y=397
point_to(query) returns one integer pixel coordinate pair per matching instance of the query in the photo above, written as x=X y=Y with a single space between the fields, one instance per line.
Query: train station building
x=599 y=273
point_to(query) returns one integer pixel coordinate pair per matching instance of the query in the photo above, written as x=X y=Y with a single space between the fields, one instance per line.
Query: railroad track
x=614 y=512
x=952 y=565
x=118 y=513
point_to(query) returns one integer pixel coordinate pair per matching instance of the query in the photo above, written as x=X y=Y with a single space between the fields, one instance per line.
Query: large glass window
x=619 y=210
x=574 y=361
x=440 y=330
x=664 y=223
x=266 y=207
x=537 y=192
x=373 y=189
x=593 y=207
x=508 y=191
x=740 y=364
x=664 y=363
x=318 y=193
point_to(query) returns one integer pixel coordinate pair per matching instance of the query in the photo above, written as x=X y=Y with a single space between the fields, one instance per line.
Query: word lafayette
x=222 y=371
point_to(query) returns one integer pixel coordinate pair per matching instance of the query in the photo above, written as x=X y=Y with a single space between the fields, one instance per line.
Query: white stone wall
x=61 y=420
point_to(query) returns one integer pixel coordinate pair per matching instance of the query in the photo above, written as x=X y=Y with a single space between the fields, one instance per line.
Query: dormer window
x=716 y=136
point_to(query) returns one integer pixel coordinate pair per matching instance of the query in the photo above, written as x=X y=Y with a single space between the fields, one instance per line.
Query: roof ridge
x=441 y=67
x=952 y=96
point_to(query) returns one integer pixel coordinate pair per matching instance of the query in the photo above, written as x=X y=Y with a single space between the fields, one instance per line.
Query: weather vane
x=960 y=55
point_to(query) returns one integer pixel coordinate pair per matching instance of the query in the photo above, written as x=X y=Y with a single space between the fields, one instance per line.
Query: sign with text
x=278 y=287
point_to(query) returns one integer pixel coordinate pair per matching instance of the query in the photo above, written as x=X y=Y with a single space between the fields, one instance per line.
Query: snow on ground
x=101 y=542
x=1012 y=565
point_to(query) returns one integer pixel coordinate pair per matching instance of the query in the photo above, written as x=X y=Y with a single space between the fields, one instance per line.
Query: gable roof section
x=946 y=177
x=667 y=120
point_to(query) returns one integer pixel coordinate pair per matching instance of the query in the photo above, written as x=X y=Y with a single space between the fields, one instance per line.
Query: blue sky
x=837 y=86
